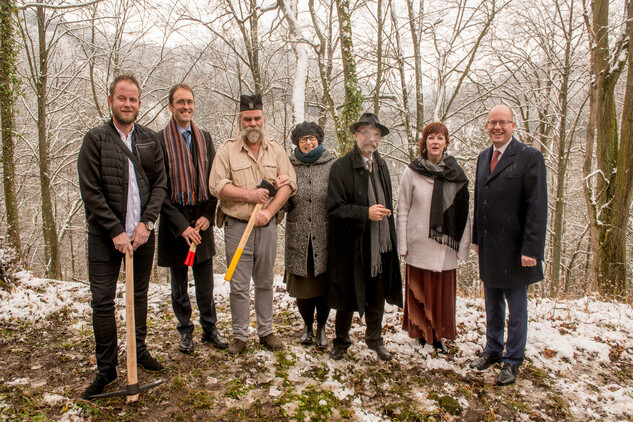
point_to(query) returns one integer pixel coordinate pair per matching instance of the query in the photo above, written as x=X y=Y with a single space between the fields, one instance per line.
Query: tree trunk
x=380 y=21
x=610 y=199
x=51 y=244
x=417 y=55
x=353 y=95
x=8 y=94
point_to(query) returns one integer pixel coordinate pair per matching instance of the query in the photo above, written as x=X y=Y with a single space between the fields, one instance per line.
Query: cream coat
x=412 y=225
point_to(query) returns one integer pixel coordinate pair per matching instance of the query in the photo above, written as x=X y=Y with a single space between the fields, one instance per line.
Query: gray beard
x=252 y=135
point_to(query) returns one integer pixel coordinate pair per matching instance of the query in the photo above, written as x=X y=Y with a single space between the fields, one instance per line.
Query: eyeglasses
x=494 y=123
x=371 y=135
x=183 y=102
x=306 y=139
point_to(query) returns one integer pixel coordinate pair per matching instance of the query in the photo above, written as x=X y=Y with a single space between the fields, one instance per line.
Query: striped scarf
x=187 y=186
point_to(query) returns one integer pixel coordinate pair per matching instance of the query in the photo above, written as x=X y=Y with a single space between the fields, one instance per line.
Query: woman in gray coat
x=306 y=230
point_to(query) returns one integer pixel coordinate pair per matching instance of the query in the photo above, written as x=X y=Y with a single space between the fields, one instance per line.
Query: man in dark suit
x=363 y=264
x=509 y=228
x=187 y=218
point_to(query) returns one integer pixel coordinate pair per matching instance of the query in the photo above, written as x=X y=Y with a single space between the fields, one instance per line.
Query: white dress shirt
x=133 y=210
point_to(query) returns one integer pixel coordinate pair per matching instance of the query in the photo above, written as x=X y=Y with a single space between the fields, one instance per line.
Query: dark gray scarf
x=449 y=202
x=378 y=230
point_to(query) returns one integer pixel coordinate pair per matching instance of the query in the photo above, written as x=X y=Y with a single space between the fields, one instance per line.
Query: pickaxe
x=272 y=191
x=132 y=389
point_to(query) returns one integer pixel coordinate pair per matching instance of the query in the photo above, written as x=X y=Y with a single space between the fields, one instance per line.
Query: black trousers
x=203 y=277
x=374 y=310
x=104 y=264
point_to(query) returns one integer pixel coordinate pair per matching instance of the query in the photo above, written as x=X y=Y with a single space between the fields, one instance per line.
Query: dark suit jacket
x=174 y=219
x=349 y=252
x=510 y=217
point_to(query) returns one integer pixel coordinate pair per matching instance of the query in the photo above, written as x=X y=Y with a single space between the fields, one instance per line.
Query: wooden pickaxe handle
x=130 y=326
x=242 y=244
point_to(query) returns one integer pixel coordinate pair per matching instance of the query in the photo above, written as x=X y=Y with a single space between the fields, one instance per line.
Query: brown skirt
x=429 y=306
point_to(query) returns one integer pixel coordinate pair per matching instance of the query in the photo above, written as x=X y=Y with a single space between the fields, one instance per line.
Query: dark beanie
x=306 y=128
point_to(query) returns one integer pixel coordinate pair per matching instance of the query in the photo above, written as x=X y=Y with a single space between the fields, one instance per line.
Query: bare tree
x=609 y=186
x=8 y=94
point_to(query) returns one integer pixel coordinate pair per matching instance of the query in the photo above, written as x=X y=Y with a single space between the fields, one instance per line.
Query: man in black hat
x=238 y=167
x=363 y=265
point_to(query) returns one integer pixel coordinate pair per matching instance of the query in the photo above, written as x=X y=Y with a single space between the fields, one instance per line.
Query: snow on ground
x=568 y=340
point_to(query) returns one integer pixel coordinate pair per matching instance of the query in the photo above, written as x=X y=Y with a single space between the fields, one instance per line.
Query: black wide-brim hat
x=369 y=119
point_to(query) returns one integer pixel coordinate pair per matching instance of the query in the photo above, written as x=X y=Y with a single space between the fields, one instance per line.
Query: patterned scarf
x=188 y=183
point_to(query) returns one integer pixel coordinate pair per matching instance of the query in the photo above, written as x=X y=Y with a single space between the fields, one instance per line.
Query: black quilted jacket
x=103 y=177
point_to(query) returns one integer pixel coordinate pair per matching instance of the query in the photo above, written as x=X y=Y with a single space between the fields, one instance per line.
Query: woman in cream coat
x=433 y=234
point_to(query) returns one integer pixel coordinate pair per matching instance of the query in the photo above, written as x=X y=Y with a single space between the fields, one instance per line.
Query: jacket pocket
x=146 y=155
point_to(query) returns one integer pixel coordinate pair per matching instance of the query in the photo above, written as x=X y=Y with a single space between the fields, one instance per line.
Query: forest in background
x=564 y=66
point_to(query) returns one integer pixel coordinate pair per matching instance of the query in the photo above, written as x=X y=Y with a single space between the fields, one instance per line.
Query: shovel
x=132 y=388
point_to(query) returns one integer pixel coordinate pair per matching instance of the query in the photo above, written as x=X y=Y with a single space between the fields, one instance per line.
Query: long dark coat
x=349 y=253
x=510 y=216
x=174 y=218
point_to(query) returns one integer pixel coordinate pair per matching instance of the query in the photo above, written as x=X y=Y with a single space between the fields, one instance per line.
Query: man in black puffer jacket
x=123 y=183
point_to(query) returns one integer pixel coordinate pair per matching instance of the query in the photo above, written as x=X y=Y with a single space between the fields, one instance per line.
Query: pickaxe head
x=265 y=184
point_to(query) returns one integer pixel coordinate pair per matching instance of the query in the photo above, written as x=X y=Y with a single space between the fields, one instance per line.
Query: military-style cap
x=251 y=102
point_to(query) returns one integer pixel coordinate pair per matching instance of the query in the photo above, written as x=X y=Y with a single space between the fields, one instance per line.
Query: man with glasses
x=187 y=218
x=509 y=228
x=363 y=263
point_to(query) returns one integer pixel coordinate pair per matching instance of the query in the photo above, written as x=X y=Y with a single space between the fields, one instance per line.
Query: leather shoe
x=271 y=342
x=236 y=347
x=484 y=361
x=321 y=337
x=306 y=337
x=215 y=338
x=440 y=347
x=338 y=352
x=382 y=352
x=422 y=341
x=508 y=374
x=102 y=379
x=186 y=343
x=147 y=362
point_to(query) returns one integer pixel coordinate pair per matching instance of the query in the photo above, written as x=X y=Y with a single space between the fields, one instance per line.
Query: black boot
x=321 y=337
x=306 y=337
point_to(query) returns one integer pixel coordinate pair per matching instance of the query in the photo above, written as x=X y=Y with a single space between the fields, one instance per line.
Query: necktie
x=369 y=165
x=495 y=159
x=187 y=135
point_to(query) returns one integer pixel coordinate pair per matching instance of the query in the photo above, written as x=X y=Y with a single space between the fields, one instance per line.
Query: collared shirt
x=235 y=163
x=502 y=149
x=182 y=131
x=133 y=210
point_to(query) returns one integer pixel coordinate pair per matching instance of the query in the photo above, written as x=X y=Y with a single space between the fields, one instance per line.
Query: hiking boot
x=147 y=362
x=236 y=347
x=271 y=342
x=102 y=379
